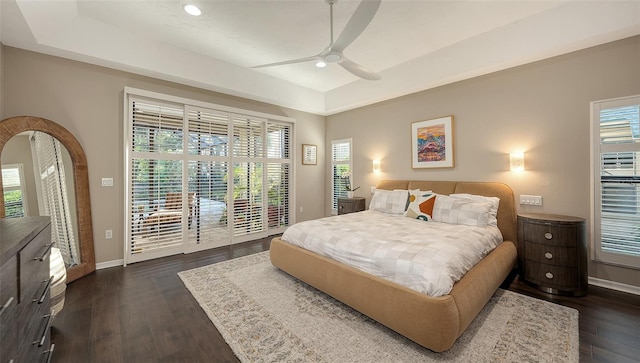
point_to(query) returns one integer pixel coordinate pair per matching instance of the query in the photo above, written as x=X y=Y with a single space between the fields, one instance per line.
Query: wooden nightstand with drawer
x=552 y=253
x=350 y=205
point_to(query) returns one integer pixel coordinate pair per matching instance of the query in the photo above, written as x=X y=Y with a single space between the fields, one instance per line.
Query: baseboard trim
x=614 y=285
x=108 y=264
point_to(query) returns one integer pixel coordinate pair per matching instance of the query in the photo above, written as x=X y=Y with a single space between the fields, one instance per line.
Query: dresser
x=25 y=315
x=350 y=205
x=552 y=253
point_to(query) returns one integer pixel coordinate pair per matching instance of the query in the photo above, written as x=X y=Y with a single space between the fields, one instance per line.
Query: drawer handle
x=43 y=337
x=6 y=305
x=46 y=252
x=548 y=275
x=50 y=352
x=45 y=292
x=548 y=255
x=548 y=235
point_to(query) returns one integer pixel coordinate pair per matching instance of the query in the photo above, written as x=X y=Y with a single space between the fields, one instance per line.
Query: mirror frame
x=15 y=125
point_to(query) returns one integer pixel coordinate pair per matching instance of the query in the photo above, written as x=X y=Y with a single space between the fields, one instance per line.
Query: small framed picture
x=309 y=154
x=432 y=143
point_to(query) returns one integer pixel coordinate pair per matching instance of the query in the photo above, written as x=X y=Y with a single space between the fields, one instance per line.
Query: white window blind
x=14 y=191
x=617 y=181
x=341 y=166
x=208 y=173
x=156 y=179
x=55 y=201
x=202 y=177
x=279 y=174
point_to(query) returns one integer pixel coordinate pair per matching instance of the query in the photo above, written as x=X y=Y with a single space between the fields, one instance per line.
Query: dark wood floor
x=143 y=313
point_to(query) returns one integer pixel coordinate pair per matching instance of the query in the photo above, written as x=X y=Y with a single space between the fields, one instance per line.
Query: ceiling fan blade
x=359 y=70
x=357 y=24
x=300 y=60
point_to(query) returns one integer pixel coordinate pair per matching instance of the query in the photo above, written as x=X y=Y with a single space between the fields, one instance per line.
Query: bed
x=433 y=322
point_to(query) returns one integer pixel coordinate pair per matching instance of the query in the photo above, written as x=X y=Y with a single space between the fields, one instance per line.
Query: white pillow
x=387 y=201
x=493 y=201
x=461 y=211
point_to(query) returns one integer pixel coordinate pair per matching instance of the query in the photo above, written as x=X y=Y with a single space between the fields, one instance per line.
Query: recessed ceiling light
x=192 y=9
x=321 y=64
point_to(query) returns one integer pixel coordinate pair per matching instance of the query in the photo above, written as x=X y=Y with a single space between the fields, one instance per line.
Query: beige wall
x=88 y=101
x=541 y=108
x=1 y=77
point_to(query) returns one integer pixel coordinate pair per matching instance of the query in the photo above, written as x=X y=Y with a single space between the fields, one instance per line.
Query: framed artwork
x=432 y=143
x=309 y=154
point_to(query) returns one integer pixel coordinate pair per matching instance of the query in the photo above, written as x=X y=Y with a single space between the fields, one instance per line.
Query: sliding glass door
x=200 y=178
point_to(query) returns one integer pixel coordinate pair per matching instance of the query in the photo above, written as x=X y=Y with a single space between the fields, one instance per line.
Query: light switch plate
x=107 y=182
x=530 y=200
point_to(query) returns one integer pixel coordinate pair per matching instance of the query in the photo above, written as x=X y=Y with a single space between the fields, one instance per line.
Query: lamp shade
x=376 y=165
x=516 y=161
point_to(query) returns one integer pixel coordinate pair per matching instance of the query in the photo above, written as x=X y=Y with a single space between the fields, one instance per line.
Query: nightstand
x=350 y=205
x=552 y=253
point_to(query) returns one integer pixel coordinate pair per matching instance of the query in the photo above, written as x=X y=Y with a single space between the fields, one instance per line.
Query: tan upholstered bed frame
x=433 y=322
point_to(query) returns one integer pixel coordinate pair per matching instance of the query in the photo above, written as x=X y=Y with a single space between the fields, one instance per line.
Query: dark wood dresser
x=350 y=205
x=552 y=253
x=25 y=315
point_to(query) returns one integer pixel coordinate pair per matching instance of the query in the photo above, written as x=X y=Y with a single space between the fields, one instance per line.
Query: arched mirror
x=44 y=172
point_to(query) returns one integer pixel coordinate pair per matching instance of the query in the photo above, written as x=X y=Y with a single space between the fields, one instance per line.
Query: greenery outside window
x=14 y=192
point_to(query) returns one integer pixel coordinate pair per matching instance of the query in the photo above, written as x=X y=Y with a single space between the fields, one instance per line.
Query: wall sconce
x=376 y=166
x=516 y=161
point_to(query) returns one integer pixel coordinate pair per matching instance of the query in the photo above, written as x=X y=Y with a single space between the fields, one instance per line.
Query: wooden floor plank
x=143 y=313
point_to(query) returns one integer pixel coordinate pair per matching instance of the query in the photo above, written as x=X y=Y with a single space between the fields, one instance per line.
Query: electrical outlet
x=301 y=209
x=108 y=234
x=531 y=200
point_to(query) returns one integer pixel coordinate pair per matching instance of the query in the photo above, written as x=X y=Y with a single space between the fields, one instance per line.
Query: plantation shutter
x=200 y=177
x=248 y=178
x=340 y=170
x=278 y=176
x=208 y=145
x=55 y=201
x=156 y=173
x=618 y=230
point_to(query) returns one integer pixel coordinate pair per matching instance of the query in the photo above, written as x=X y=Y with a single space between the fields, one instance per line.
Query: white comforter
x=424 y=256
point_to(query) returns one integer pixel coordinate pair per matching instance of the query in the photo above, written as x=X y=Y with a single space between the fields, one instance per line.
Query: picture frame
x=309 y=154
x=432 y=143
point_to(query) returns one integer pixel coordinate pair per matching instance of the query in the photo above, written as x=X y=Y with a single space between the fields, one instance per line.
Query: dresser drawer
x=551 y=255
x=550 y=275
x=37 y=350
x=8 y=309
x=34 y=265
x=550 y=234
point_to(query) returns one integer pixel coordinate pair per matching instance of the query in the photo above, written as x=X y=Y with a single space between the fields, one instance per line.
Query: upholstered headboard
x=507 y=221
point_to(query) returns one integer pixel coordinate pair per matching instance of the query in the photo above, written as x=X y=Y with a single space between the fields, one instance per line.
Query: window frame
x=334 y=198
x=22 y=188
x=597 y=148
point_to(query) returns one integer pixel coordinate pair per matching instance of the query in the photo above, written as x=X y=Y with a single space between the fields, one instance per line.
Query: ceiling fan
x=333 y=53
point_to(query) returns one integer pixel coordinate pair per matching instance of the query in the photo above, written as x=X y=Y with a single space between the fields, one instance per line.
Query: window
x=616 y=180
x=341 y=167
x=202 y=176
x=14 y=192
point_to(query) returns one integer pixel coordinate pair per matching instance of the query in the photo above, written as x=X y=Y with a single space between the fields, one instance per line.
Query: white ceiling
x=414 y=45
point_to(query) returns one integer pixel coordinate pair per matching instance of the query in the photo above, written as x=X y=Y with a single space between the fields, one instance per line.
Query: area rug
x=265 y=315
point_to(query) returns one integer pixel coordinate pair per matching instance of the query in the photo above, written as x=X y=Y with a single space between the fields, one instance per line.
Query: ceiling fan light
x=333 y=58
x=192 y=9
x=321 y=64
